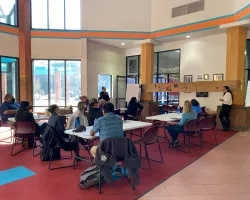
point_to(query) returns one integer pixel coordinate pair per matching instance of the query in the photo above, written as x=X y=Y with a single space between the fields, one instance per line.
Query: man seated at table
x=8 y=109
x=108 y=126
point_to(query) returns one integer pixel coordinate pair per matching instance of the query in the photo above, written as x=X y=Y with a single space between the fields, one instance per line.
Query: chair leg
x=100 y=181
x=12 y=148
x=34 y=145
x=50 y=162
x=215 y=138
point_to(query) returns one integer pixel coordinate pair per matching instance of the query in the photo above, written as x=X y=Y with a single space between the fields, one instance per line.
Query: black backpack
x=90 y=177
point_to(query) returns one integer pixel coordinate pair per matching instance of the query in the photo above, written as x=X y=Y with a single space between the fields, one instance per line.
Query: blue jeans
x=174 y=131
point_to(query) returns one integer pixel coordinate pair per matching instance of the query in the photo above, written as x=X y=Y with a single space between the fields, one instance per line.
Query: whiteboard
x=133 y=90
x=247 y=100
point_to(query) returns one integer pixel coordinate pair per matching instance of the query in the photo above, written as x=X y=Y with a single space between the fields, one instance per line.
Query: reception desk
x=239 y=118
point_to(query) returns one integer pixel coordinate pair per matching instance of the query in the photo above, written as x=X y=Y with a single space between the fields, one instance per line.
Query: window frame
x=16 y=17
x=111 y=84
x=17 y=95
x=49 y=88
x=48 y=17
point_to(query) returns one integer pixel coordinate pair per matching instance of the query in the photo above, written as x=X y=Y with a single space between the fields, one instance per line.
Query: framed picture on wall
x=206 y=76
x=199 y=77
x=218 y=77
x=132 y=66
x=188 y=78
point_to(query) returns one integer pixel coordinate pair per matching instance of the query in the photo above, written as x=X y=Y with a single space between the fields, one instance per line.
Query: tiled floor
x=222 y=174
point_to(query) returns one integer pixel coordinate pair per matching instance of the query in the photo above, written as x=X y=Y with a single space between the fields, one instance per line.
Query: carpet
x=62 y=184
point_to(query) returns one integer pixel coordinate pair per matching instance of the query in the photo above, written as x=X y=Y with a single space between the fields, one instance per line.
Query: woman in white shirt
x=227 y=101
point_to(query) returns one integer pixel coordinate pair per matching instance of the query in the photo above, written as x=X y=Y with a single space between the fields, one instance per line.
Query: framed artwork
x=199 y=77
x=206 y=76
x=218 y=77
x=188 y=78
x=201 y=94
x=132 y=66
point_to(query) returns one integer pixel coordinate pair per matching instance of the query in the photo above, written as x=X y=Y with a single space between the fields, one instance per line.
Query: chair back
x=191 y=126
x=203 y=109
x=166 y=108
x=117 y=111
x=151 y=134
x=138 y=113
x=174 y=108
x=207 y=123
x=24 y=128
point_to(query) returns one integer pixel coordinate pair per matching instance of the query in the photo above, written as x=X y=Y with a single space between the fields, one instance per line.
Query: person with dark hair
x=8 y=108
x=94 y=111
x=24 y=114
x=132 y=109
x=196 y=106
x=227 y=101
x=85 y=100
x=104 y=94
x=108 y=126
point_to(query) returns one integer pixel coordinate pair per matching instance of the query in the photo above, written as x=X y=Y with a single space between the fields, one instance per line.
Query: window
x=9 y=77
x=39 y=14
x=72 y=15
x=56 y=14
x=52 y=83
x=105 y=80
x=8 y=12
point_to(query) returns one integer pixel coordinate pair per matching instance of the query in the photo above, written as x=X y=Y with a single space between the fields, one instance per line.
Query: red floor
x=62 y=184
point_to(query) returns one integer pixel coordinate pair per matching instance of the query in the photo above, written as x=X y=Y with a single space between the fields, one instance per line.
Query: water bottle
x=178 y=110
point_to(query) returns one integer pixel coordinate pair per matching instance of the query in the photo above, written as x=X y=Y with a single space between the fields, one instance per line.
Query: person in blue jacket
x=196 y=106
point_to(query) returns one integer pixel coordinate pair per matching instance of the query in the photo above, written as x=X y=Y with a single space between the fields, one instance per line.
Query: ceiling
x=134 y=43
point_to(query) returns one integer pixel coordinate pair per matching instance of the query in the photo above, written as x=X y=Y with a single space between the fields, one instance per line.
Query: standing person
x=227 y=101
x=104 y=94
x=8 y=109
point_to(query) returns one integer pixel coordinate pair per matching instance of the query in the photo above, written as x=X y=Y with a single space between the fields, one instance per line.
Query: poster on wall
x=132 y=66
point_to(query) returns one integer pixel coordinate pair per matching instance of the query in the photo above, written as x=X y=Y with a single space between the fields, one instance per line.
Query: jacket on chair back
x=113 y=150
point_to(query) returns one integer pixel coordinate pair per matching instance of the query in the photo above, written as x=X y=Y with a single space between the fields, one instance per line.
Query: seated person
x=108 y=126
x=85 y=100
x=78 y=117
x=196 y=106
x=175 y=128
x=132 y=109
x=24 y=114
x=94 y=111
x=8 y=109
x=57 y=122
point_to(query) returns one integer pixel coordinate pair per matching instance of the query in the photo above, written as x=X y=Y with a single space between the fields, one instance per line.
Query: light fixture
x=122 y=43
x=188 y=36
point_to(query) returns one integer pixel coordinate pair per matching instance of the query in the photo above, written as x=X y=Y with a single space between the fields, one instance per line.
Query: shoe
x=176 y=144
x=118 y=171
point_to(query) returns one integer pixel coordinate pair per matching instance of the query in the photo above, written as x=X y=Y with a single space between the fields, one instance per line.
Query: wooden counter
x=239 y=118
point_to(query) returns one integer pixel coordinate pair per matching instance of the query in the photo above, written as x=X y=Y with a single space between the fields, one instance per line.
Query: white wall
x=205 y=55
x=116 y=15
x=54 y=48
x=9 y=45
x=103 y=59
x=239 y=4
x=161 y=17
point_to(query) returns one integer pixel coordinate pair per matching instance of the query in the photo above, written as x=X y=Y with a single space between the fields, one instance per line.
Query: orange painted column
x=236 y=60
x=147 y=69
x=25 y=68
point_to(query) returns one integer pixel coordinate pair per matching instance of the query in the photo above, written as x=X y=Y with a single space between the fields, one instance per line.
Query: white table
x=127 y=126
x=39 y=117
x=165 y=117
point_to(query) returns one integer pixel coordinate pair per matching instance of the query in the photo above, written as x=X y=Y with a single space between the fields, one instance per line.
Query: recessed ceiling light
x=188 y=36
x=122 y=44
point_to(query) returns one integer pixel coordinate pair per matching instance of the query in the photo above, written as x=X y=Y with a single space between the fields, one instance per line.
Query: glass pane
x=57 y=82
x=248 y=55
x=73 y=82
x=105 y=80
x=8 y=12
x=56 y=14
x=162 y=96
x=9 y=69
x=39 y=14
x=174 y=96
x=169 y=62
x=72 y=14
x=40 y=84
x=131 y=80
x=155 y=93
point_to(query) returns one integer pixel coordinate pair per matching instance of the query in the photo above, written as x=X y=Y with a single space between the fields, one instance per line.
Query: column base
x=149 y=108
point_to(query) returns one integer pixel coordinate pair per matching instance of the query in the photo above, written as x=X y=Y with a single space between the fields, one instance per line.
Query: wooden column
x=147 y=69
x=24 y=23
x=236 y=61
